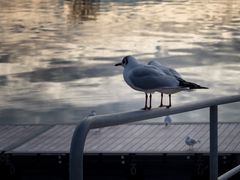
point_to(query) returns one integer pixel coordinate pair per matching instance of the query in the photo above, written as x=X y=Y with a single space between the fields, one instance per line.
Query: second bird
x=152 y=78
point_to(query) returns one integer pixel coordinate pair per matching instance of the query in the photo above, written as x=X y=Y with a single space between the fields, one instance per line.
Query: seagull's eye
x=125 y=60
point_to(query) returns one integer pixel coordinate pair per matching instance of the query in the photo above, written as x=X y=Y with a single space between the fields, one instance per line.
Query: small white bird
x=151 y=78
x=167 y=121
x=182 y=86
x=191 y=142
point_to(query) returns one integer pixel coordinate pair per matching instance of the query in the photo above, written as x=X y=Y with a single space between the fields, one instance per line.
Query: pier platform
x=133 y=151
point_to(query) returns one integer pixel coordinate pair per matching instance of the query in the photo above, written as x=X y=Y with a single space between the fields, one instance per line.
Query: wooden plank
x=109 y=141
x=167 y=136
x=136 y=135
x=56 y=139
x=95 y=137
x=12 y=136
x=134 y=138
x=233 y=139
x=227 y=137
x=224 y=134
x=152 y=137
x=146 y=137
x=236 y=141
x=105 y=135
x=237 y=148
x=159 y=135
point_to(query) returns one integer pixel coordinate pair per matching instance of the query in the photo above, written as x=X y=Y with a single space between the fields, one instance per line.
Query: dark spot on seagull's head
x=127 y=61
x=124 y=62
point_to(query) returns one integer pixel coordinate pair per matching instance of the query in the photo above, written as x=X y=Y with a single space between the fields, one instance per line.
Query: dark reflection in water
x=70 y=73
x=57 y=57
x=84 y=10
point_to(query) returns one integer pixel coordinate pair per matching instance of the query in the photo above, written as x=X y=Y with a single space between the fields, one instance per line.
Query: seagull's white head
x=127 y=61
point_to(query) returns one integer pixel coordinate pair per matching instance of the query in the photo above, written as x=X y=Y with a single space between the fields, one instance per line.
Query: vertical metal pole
x=76 y=150
x=213 y=142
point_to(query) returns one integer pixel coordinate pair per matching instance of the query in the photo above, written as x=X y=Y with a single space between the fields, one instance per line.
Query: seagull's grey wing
x=165 y=69
x=174 y=73
x=193 y=141
x=147 y=78
x=155 y=63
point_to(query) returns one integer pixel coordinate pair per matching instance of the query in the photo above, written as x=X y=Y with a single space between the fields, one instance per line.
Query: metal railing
x=81 y=131
x=230 y=173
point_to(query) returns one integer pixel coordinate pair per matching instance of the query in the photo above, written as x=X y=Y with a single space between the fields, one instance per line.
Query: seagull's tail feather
x=190 y=85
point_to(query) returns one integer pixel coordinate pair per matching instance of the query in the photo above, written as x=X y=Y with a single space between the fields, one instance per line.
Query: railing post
x=213 y=142
x=76 y=150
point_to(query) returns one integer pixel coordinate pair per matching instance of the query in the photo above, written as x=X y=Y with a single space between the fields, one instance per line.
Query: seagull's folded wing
x=166 y=70
x=148 y=78
x=174 y=73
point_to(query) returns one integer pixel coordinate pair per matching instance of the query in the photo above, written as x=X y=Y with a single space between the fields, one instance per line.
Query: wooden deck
x=131 y=138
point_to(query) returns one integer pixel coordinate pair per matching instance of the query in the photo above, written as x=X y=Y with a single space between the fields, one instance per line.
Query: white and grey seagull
x=167 y=121
x=191 y=142
x=152 y=78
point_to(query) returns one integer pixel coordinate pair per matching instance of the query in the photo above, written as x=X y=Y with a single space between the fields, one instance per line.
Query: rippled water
x=57 y=57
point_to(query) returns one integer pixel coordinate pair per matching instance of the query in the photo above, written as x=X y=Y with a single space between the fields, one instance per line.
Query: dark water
x=57 y=57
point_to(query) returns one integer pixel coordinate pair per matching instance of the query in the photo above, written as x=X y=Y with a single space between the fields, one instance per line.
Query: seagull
x=182 y=86
x=191 y=142
x=150 y=78
x=167 y=121
x=140 y=77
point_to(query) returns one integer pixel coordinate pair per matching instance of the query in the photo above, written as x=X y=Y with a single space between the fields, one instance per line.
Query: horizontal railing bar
x=134 y=116
x=230 y=173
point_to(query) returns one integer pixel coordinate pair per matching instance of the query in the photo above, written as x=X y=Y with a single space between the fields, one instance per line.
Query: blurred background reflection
x=84 y=10
x=57 y=57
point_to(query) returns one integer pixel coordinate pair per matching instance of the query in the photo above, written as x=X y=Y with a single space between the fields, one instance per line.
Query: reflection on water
x=84 y=9
x=56 y=57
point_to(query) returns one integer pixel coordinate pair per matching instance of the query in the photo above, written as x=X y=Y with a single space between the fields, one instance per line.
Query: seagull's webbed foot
x=168 y=106
x=146 y=108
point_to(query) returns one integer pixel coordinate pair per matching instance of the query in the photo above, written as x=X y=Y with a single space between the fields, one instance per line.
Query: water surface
x=57 y=57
